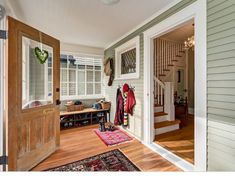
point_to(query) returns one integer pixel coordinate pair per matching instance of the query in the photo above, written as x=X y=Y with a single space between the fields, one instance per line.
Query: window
x=36 y=77
x=80 y=77
x=127 y=60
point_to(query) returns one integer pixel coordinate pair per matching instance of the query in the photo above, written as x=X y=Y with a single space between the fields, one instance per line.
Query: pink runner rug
x=113 y=138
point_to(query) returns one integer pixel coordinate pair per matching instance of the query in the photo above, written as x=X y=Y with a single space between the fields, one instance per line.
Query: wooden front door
x=33 y=96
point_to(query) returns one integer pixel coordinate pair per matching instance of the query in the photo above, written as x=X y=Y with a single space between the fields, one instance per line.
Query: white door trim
x=196 y=10
x=2 y=129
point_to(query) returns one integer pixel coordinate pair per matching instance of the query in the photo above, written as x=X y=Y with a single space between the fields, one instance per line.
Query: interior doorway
x=174 y=68
x=196 y=11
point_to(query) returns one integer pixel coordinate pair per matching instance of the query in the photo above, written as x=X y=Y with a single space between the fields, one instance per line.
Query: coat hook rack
x=130 y=86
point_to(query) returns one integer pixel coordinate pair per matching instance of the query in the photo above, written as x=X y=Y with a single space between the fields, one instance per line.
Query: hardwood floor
x=80 y=143
x=180 y=142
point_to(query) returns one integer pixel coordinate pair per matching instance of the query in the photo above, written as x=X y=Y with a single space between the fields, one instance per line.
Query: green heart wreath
x=42 y=55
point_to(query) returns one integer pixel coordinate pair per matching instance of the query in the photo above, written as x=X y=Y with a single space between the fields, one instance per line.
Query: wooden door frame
x=196 y=10
x=17 y=28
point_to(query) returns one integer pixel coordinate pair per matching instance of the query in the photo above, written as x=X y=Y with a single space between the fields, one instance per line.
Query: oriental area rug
x=111 y=138
x=113 y=160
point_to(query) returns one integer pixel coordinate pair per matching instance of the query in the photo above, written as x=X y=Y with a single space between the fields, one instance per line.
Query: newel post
x=169 y=107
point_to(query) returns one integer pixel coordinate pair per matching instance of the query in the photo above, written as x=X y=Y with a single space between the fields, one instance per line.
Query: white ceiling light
x=110 y=2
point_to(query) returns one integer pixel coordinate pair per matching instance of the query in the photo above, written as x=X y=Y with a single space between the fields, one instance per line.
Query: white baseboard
x=171 y=157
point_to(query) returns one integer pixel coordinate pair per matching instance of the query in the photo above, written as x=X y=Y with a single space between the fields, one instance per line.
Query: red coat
x=130 y=102
x=119 y=115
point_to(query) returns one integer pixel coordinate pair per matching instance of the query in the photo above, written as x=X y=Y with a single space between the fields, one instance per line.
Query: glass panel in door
x=37 y=76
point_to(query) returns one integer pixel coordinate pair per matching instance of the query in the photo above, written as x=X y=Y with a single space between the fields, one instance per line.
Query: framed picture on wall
x=127 y=60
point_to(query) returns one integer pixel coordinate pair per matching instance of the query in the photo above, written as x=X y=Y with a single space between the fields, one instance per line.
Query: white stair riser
x=160 y=119
x=158 y=109
x=166 y=129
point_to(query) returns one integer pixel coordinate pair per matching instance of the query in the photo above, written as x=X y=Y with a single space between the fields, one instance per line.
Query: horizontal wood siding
x=221 y=84
x=136 y=121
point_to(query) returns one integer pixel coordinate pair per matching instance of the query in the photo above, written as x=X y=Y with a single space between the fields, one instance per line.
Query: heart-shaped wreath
x=42 y=55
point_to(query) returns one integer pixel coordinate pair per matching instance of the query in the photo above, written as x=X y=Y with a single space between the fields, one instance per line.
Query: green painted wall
x=136 y=122
x=221 y=84
x=220 y=80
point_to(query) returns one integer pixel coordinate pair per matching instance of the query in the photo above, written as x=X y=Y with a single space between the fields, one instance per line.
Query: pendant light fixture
x=189 y=43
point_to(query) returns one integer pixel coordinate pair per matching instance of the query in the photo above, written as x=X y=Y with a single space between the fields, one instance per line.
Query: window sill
x=63 y=98
x=127 y=77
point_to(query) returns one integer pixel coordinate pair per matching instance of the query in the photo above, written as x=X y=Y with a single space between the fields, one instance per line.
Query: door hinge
x=3 y=34
x=3 y=160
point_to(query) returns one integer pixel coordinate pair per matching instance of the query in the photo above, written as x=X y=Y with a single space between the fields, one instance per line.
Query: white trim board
x=176 y=160
x=196 y=11
x=1 y=95
x=144 y=22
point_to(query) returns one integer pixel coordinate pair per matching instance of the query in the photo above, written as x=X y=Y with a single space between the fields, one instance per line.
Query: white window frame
x=131 y=44
x=85 y=96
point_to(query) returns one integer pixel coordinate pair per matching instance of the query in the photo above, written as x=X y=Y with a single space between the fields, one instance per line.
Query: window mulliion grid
x=81 y=77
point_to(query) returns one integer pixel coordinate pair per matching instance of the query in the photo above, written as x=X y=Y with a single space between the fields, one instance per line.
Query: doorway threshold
x=176 y=160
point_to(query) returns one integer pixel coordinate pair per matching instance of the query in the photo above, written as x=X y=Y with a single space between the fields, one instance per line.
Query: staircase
x=167 y=55
x=161 y=123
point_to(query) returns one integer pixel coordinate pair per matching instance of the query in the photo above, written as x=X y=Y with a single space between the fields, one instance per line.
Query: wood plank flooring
x=80 y=143
x=180 y=142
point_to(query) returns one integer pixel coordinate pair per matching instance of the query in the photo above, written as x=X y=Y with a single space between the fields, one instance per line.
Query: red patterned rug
x=113 y=160
x=113 y=138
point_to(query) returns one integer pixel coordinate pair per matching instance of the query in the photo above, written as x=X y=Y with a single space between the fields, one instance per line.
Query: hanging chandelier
x=189 y=43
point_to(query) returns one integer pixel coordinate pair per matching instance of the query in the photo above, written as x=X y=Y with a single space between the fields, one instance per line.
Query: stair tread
x=162 y=75
x=170 y=65
x=158 y=105
x=174 y=60
x=157 y=114
x=166 y=123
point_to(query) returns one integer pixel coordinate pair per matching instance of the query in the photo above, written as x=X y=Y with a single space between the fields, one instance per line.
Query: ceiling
x=86 y=22
x=182 y=33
